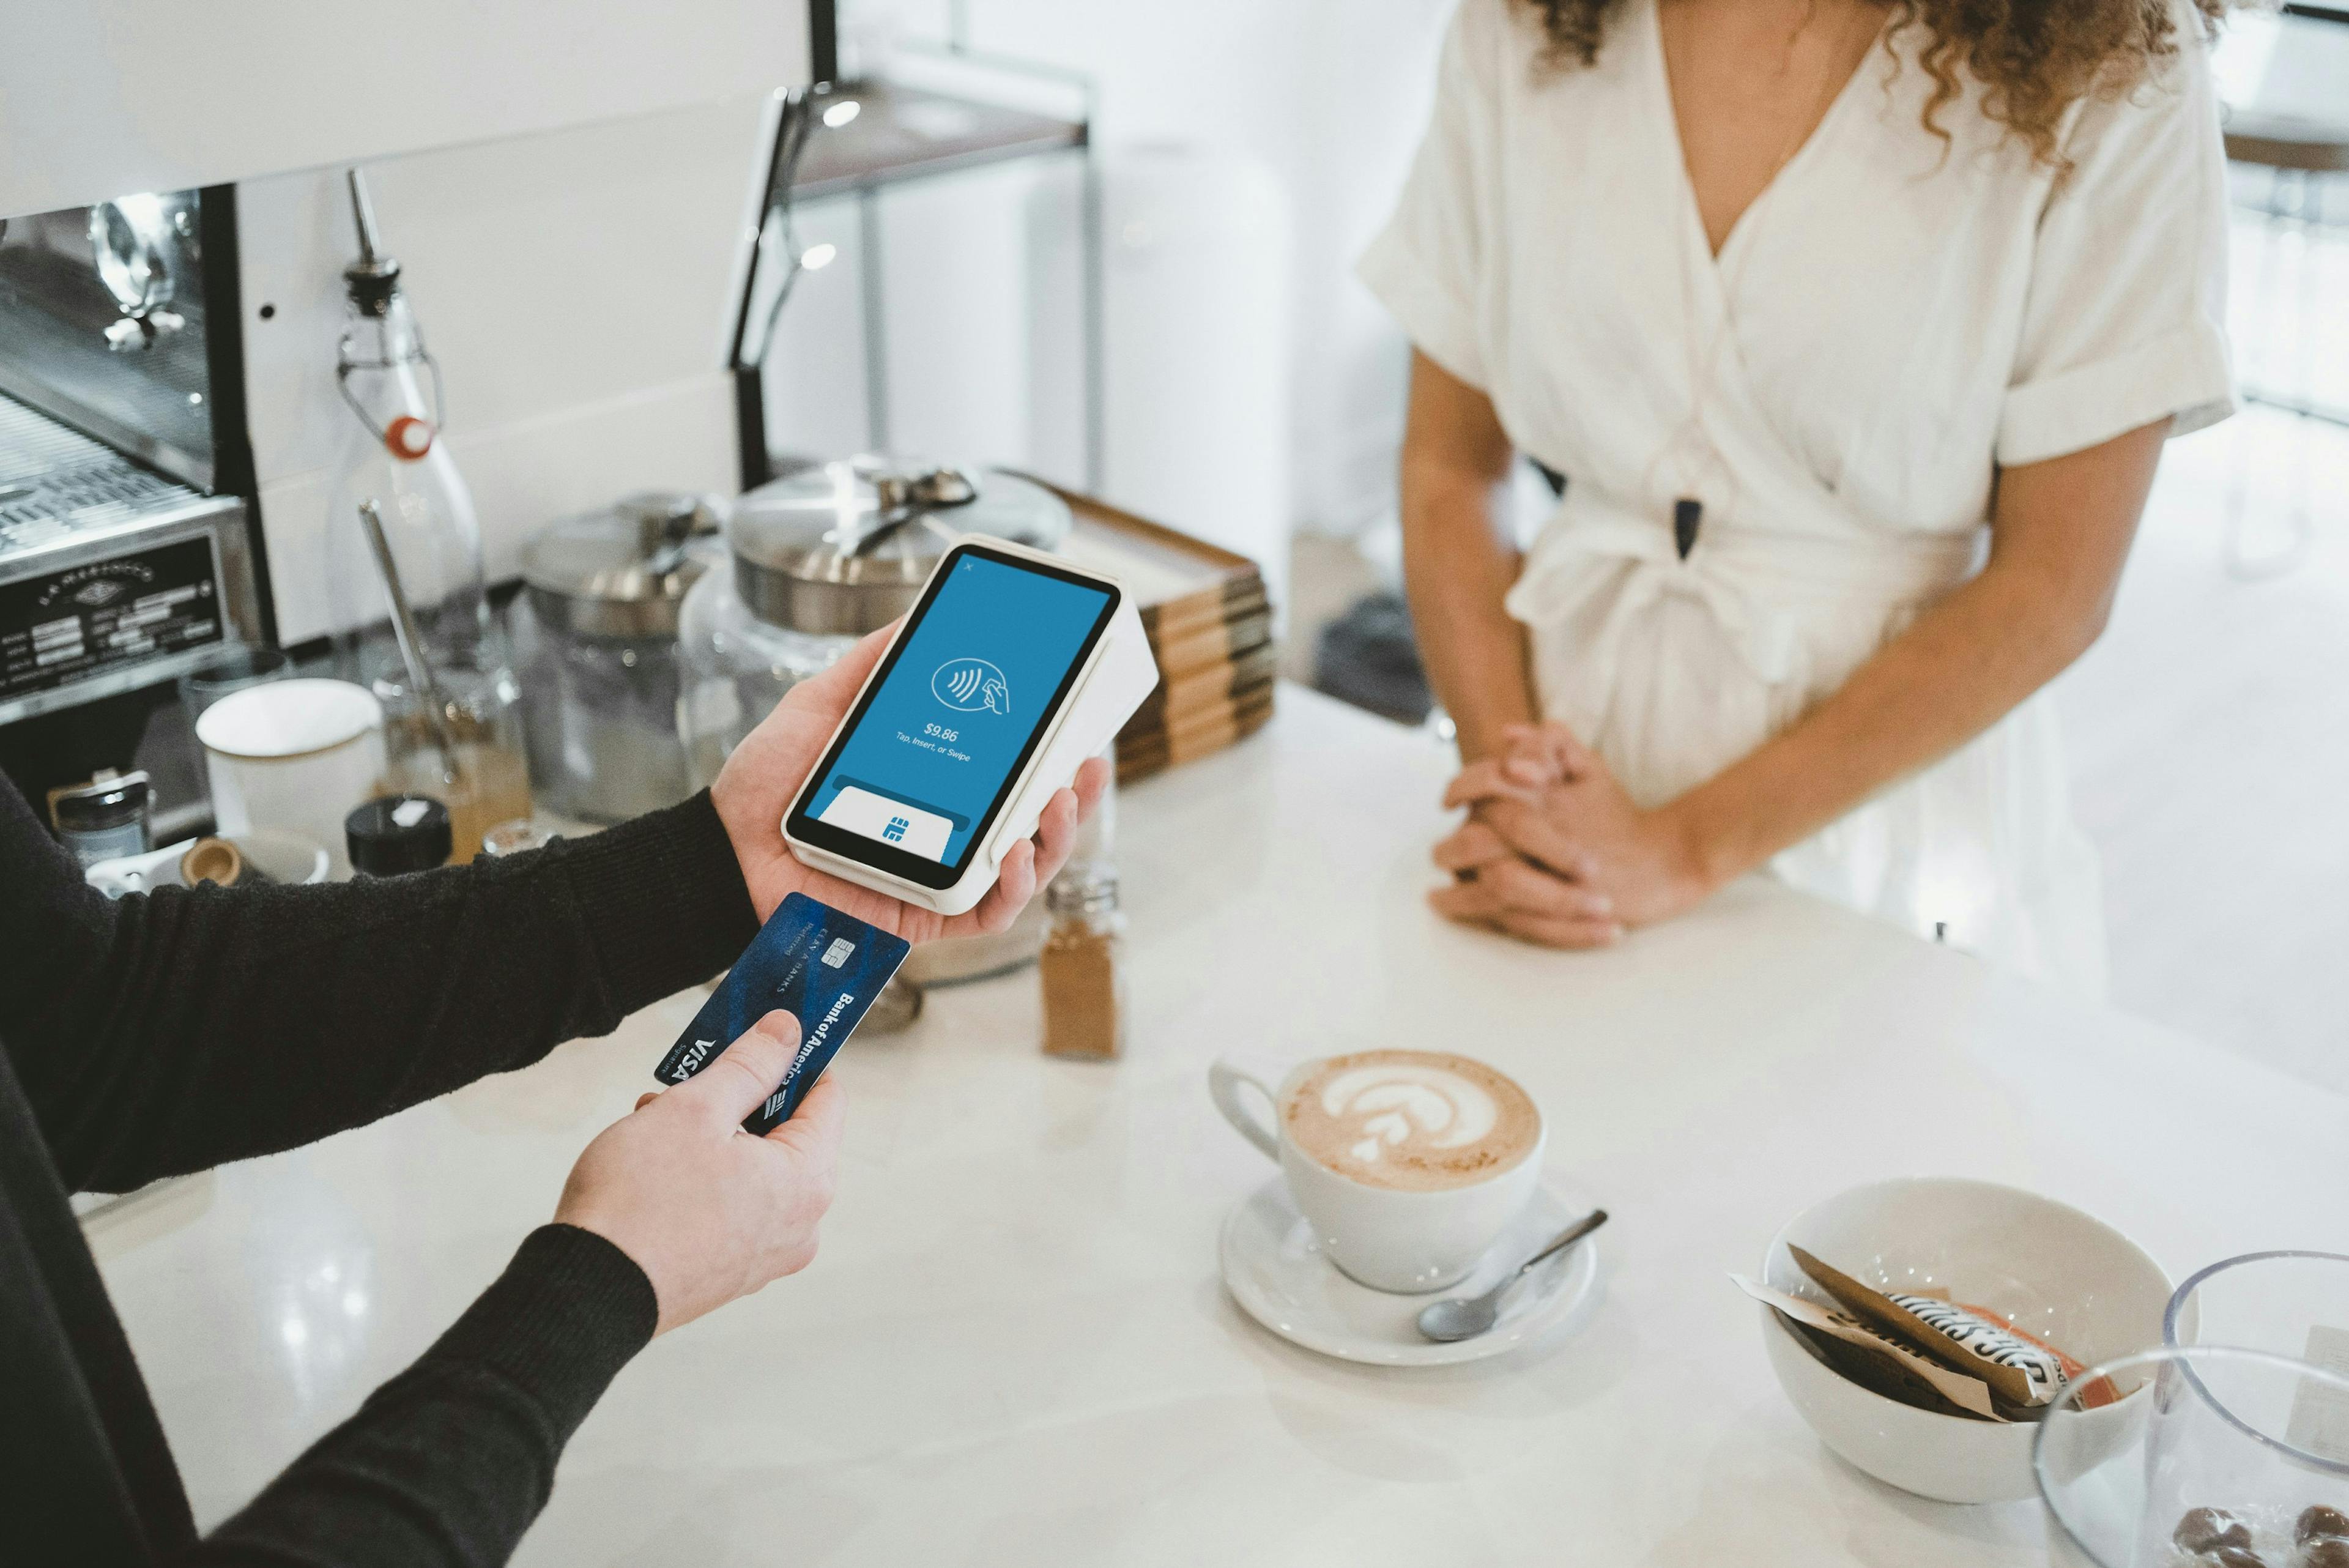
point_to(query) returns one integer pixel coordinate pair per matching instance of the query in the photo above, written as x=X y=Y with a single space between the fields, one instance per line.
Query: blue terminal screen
x=974 y=679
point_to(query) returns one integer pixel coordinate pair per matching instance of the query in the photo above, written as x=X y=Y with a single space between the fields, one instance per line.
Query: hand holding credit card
x=820 y=965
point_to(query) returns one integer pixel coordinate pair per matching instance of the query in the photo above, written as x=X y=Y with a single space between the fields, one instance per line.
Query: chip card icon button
x=893 y=822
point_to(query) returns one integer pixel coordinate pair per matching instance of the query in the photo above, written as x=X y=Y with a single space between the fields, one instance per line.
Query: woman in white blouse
x=1854 y=330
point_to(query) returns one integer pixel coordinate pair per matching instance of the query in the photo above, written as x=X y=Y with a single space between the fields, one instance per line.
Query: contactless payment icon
x=970 y=685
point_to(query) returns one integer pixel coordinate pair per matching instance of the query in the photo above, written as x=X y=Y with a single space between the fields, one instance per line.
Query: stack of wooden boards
x=1210 y=625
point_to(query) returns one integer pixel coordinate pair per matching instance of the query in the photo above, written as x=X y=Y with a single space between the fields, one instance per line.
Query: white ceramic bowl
x=2071 y=1280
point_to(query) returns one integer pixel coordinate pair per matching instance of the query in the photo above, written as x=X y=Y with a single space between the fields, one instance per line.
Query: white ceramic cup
x=1387 y=1238
x=295 y=755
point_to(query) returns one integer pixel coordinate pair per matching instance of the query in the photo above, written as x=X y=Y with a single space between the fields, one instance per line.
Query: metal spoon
x=1465 y=1317
x=436 y=702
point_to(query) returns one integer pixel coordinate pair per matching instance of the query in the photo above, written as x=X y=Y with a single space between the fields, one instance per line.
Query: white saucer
x=1275 y=1268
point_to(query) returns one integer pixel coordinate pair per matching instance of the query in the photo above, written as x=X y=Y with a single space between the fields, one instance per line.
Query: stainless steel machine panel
x=111 y=577
x=106 y=324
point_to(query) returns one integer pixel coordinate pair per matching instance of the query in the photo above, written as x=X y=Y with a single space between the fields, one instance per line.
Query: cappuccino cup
x=1409 y=1165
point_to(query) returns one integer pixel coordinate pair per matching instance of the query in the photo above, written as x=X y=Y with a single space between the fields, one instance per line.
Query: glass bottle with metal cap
x=394 y=457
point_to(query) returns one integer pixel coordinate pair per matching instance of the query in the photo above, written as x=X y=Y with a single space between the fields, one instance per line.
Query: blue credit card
x=820 y=966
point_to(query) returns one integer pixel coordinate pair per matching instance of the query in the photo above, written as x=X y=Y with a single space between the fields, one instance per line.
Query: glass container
x=519 y=836
x=1082 y=978
x=734 y=668
x=845 y=548
x=104 y=819
x=819 y=559
x=230 y=667
x=2288 y=1302
x=2209 y=1449
x=601 y=680
x=463 y=743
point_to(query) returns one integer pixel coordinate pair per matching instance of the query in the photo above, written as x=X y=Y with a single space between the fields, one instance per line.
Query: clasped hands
x=1555 y=851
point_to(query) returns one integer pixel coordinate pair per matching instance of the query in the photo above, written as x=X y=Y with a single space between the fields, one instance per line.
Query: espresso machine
x=172 y=414
x=127 y=549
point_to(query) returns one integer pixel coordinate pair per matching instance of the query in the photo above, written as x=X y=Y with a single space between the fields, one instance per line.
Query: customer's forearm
x=1459 y=558
x=1963 y=665
x=1458 y=566
x=2059 y=536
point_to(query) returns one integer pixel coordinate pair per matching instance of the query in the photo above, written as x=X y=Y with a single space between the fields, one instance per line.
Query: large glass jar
x=734 y=668
x=818 y=558
x=601 y=673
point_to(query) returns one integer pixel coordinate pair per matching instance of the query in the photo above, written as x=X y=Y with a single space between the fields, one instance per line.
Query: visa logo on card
x=820 y=966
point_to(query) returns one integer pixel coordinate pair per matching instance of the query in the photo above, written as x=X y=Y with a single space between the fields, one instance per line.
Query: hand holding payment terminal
x=1013 y=668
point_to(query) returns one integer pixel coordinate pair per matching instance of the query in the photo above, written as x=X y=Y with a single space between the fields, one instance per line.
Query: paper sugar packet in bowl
x=2024 y=1374
x=1874 y=1360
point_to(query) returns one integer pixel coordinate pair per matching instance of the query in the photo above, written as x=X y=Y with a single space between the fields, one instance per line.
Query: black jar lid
x=398 y=834
x=108 y=799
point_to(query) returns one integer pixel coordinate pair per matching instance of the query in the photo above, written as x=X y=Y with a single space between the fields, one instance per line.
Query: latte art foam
x=1396 y=1102
x=1415 y=1119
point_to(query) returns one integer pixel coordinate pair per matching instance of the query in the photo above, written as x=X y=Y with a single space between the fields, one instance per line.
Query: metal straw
x=411 y=643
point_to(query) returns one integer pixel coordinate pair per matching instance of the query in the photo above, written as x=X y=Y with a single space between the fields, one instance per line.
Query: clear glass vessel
x=597 y=635
x=2206 y=1450
x=735 y=669
x=2285 y=1302
x=463 y=745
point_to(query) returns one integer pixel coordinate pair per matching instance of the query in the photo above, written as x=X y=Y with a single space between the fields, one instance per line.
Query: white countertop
x=1014 y=1348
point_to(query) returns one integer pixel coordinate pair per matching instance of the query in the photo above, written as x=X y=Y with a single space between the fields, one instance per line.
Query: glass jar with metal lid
x=605 y=592
x=819 y=559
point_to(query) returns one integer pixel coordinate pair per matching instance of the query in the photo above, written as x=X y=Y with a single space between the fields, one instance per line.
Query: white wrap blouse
x=1895 y=318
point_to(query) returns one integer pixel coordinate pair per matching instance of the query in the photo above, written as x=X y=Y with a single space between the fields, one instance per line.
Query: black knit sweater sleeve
x=446 y=1465
x=166 y=1033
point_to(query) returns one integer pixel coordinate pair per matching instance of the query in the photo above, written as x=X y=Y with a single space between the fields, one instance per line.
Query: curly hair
x=2034 y=58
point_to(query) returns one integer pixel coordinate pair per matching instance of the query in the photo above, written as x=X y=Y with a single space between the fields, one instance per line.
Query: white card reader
x=1011 y=669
